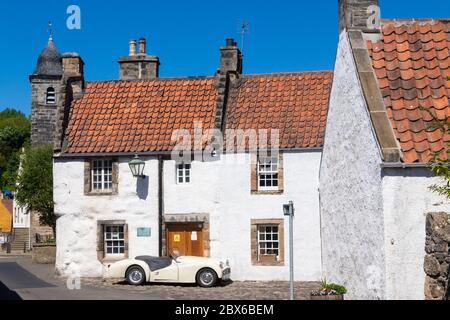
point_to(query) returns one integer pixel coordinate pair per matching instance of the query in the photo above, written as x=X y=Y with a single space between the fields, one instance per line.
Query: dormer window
x=51 y=96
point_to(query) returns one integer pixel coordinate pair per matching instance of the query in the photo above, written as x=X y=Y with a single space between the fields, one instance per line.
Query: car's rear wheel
x=207 y=278
x=135 y=276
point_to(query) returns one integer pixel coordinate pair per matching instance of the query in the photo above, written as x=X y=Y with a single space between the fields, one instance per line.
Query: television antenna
x=243 y=30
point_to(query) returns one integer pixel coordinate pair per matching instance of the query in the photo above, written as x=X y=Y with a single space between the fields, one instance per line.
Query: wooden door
x=187 y=240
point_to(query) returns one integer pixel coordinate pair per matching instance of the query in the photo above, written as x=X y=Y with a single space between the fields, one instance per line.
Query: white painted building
x=374 y=183
x=226 y=206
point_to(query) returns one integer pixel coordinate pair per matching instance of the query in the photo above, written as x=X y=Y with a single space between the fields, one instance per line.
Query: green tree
x=15 y=130
x=439 y=163
x=35 y=184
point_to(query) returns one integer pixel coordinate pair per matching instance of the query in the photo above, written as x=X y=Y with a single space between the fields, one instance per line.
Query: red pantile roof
x=124 y=116
x=296 y=104
x=412 y=64
x=133 y=117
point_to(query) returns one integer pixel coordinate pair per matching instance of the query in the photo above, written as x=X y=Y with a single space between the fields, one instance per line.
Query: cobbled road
x=226 y=291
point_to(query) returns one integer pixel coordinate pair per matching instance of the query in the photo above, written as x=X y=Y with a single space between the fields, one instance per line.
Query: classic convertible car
x=205 y=272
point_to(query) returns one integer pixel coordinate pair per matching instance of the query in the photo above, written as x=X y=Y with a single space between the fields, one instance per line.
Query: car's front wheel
x=207 y=278
x=135 y=276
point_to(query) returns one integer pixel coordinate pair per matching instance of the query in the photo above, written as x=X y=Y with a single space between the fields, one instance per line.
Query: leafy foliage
x=15 y=130
x=35 y=184
x=440 y=161
x=330 y=289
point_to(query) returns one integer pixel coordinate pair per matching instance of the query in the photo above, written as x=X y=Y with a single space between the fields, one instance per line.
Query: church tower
x=46 y=86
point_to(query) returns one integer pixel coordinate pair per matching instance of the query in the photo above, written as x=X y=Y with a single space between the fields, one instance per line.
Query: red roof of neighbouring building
x=141 y=116
x=412 y=64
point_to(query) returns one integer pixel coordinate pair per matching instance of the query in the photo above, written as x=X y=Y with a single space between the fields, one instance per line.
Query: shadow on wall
x=408 y=172
x=447 y=294
x=142 y=188
x=6 y=294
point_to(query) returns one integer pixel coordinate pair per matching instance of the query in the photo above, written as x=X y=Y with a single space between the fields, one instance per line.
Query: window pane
x=115 y=240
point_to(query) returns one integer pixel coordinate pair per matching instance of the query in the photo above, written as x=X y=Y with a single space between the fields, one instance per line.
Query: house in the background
x=21 y=234
x=374 y=184
x=5 y=219
x=214 y=205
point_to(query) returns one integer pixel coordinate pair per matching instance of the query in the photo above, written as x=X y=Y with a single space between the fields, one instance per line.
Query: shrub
x=330 y=289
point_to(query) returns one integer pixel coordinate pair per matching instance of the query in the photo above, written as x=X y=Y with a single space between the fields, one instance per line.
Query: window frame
x=258 y=259
x=105 y=177
x=121 y=247
x=51 y=92
x=271 y=241
x=185 y=174
x=267 y=173
x=89 y=177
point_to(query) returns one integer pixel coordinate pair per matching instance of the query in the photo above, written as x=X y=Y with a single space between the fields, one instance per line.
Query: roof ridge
x=286 y=73
x=210 y=77
x=153 y=80
x=414 y=20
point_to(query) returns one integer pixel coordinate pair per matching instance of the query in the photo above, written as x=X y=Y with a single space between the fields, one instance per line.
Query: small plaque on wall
x=144 y=232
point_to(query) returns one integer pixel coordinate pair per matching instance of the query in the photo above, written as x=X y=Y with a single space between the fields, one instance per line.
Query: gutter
x=399 y=165
x=165 y=153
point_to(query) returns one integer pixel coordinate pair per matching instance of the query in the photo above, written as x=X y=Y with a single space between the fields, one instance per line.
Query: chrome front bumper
x=226 y=274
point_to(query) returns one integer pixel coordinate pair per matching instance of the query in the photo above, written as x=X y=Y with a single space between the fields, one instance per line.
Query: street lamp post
x=289 y=211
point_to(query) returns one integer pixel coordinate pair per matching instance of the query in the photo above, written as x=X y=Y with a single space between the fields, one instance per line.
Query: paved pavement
x=21 y=279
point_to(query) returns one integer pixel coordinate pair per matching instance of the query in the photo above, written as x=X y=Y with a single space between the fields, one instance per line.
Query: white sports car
x=205 y=272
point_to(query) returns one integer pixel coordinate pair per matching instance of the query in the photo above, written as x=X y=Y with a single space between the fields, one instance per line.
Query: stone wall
x=437 y=260
x=44 y=254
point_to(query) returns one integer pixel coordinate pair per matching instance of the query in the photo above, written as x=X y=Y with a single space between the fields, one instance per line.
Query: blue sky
x=284 y=35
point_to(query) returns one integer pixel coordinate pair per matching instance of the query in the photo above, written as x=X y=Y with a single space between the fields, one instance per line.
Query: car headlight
x=228 y=263
x=222 y=265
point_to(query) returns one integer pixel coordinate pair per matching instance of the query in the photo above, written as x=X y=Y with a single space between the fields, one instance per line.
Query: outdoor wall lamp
x=137 y=167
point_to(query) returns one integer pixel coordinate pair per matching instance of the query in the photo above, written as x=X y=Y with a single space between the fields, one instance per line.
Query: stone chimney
x=231 y=58
x=362 y=15
x=73 y=71
x=139 y=66
x=229 y=73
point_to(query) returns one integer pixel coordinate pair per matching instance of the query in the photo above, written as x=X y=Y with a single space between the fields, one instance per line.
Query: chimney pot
x=142 y=46
x=132 y=47
x=231 y=42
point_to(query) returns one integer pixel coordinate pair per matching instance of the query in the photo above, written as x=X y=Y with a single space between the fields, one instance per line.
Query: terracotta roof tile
x=412 y=64
x=300 y=115
x=121 y=116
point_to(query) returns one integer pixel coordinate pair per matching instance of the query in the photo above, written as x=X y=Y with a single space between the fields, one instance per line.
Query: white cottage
x=224 y=205
x=374 y=183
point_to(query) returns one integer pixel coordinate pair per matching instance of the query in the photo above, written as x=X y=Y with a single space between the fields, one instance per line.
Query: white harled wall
x=77 y=225
x=407 y=201
x=221 y=189
x=351 y=188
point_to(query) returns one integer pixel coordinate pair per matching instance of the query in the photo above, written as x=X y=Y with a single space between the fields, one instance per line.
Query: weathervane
x=50 y=29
